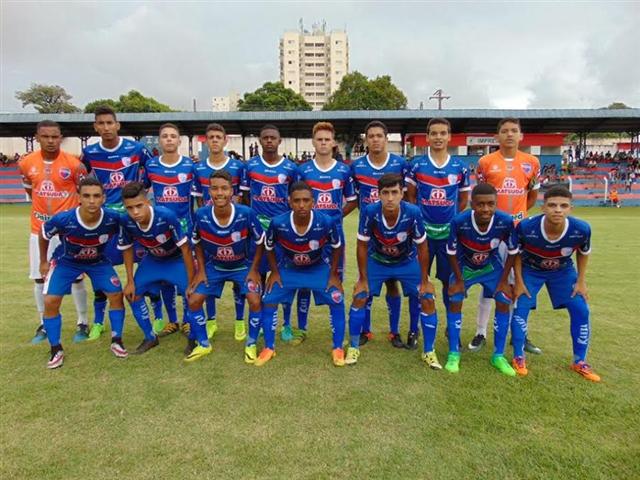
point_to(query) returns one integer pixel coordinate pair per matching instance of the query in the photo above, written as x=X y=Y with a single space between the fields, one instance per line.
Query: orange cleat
x=337 y=354
x=584 y=369
x=520 y=366
x=265 y=355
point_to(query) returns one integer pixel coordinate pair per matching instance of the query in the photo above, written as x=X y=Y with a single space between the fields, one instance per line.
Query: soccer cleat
x=412 y=340
x=191 y=344
x=96 y=331
x=168 y=329
x=298 y=337
x=477 y=342
x=352 y=356
x=117 y=348
x=337 y=355
x=146 y=345
x=198 y=352
x=56 y=360
x=502 y=365
x=265 y=355
x=185 y=328
x=250 y=354
x=40 y=336
x=82 y=333
x=286 y=334
x=365 y=337
x=531 y=348
x=212 y=328
x=239 y=331
x=395 y=340
x=520 y=366
x=158 y=326
x=584 y=369
x=453 y=362
x=431 y=359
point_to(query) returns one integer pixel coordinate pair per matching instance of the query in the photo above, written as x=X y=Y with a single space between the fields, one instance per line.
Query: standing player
x=388 y=234
x=84 y=234
x=439 y=185
x=514 y=175
x=168 y=259
x=114 y=161
x=547 y=243
x=367 y=171
x=304 y=235
x=50 y=177
x=474 y=238
x=331 y=183
x=266 y=186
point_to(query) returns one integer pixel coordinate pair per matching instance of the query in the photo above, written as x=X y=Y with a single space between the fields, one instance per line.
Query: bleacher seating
x=11 y=190
x=588 y=187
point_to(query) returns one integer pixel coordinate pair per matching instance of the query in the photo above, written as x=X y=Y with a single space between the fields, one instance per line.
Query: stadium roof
x=299 y=124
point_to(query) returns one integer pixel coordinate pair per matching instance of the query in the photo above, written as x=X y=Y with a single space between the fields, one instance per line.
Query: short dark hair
x=390 y=180
x=508 y=120
x=269 y=126
x=439 y=121
x=168 y=125
x=299 y=185
x=375 y=124
x=215 y=127
x=47 y=123
x=105 y=110
x=483 y=189
x=133 y=189
x=222 y=174
x=90 y=182
x=558 y=191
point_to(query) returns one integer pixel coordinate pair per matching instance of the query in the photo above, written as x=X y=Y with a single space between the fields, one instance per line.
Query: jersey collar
x=475 y=225
x=293 y=225
x=111 y=149
x=150 y=222
x=315 y=164
x=231 y=217
x=544 y=233
x=86 y=226
x=170 y=166
x=226 y=161
x=384 y=220
x=381 y=167
x=269 y=165
x=434 y=163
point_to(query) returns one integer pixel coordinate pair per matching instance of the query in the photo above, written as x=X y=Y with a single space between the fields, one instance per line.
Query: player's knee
x=52 y=305
x=196 y=301
x=428 y=305
x=99 y=296
x=502 y=307
x=115 y=300
x=254 y=302
x=455 y=307
x=358 y=302
x=578 y=307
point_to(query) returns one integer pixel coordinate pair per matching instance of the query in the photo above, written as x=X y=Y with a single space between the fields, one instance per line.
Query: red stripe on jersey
x=269 y=180
x=542 y=252
x=430 y=180
x=384 y=240
x=370 y=181
x=222 y=241
x=152 y=242
x=154 y=177
x=112 y=165
x=324 y=186
x=85 y=242
x=303 y=248
x=478 y=247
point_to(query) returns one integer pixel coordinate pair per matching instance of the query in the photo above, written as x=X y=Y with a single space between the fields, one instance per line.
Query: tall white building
x=313 y=63
x=226 y=104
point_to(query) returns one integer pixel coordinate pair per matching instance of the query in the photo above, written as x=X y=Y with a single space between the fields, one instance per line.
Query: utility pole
x=439 y=96
x=194 y=104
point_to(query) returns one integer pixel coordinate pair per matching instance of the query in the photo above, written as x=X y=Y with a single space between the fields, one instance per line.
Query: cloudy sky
x=483 y=54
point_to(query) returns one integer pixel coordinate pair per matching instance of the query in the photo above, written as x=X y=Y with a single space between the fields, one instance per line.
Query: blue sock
x=141 y=314
x=254 y=327
x=286 y=314
x=429 y=327
x=336 y=316
x=414 y=314
x=366 y=320
x=580 y=327
x=199 y=327
x=356 y=318
x=304 y=299
x=393 y=307
x=169 y=298
x=211 y=307
x=500 y=331
x=116 y=318
x=185 y=310
x=519 y=330
x=238 y=300
x=454 y=323
x=156 y=305
x=53 y=327
x=269 y=323
x=189 y=318
x=99 y=307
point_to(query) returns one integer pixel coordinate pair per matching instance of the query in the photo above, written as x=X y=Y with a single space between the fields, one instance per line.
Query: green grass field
x=299 y=417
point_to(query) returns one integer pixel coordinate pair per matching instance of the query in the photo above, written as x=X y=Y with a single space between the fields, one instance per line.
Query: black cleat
x=396 y=340
x=412 y=340
x=146 y=345
x=365 y=337
x=191 y=344
x=476 y=344
x=531 y=348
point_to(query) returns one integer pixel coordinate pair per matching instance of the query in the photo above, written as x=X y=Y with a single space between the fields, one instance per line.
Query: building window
x=290 y=62
x=290 y=82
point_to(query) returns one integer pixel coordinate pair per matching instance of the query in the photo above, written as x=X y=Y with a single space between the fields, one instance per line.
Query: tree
x=617 y=106
x=133 y=101
x=91 y=106
x=273 y=96
x=357 y=92
x=47 y=99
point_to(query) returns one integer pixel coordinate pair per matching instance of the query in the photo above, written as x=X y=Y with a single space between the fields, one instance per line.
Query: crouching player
x=388 y=234
x=547 y=243
x=306 y=237
x=221 y=235
x=168 y=259
x=474 y=238
x=84 y=233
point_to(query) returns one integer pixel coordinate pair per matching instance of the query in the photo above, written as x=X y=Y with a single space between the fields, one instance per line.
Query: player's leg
x=212 y=323
x=52 y=321
x=500 y=331
x=482 y=321
x=429 y=321
x=394 y=304
x=168 y=293
x=520 y=319
x=255 y=314
x=79 y=295
x=198 y=344
x=286 y=333
x=239 y=329
x=356 y=319
x=99 y=309
x=454 y=324
x=366 y=334
x=303 y=302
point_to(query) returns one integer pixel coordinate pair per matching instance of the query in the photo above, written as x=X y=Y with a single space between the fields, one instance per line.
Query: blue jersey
x=268 y=186
x=479 y=250
x=203 y=171
x=80 y=243
x=227 y=247
x=162 y=239
x=306 y=249
x=366 y=176
x=437 y=190
x=391 y=244
x=329 y=186
x=171 y=186
x=540 y=253
x=116 y=167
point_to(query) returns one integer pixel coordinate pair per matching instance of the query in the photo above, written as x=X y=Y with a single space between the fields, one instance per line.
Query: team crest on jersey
x=104 y=238
x=236 y=236
x=161 y=238
x=183 y=177
x=550 y=263
x=566 y=251
x=335 y=183
x=325 y=201
x=126 y=161
x=526 y=167
x=478 y=258
x=282 y=178
x=116 y=179
x=65 y=173
x=336 y=296
x=494 y=242
x=453 y=179
x=401 y=236
x=301 y=259
x=314 y=244
x=115 y=281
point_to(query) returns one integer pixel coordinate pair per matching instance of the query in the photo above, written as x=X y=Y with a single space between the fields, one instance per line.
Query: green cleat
x=198 y=353
x=299 y=336
x=502 y=365
x=212 y=328
x=158 y=326
x=250 y=354
x=96 y=331
x=286 y=334
x=240 y=332
x=352 y=356
x=453 y=362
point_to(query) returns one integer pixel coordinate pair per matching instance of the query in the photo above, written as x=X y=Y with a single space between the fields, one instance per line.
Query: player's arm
x=503 y=285
x=254 y=271
x=452 y=254
x=534 y=187
x=423 y=260
x=334 y=275
x=532 y=197
x=349 y=207
x=463 y=200
x=412 y=192
x=269 y=246
x=130 y=288
x=200 y=275
x=187 y=256
x=362 y=285
x=519 y=288
x=43 y=246
x=26 y=181
x=581 y=284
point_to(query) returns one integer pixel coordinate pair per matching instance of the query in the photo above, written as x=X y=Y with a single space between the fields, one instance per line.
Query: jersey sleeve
x=145 y=156
x=176 y=229
x=195 y=233
x=80 y=173
x=85 y=161
x=245 y=180
x=481 y=174
x=512 y=240
x=464 y=185
x=196 y=186
x=257 y=232
x=585 y=246
x=534 y=180
x=237 y=189
x=53 y=226
x=419 y=232
x=124 y=238
x=349 y=187
x=269 y=239
x=364 y=227
x=452 y=242
x=410 y=175
x=23 y=167
x=334 y=234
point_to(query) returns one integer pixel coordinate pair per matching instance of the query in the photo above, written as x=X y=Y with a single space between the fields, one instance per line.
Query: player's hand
x=456 y=287
x=199 y=278
x=44 y=269
x=580 y=289
x=334 y=282
x=129 y=291
x=426 y=287
x=274 y=277
x=361 y=286
x=520 y=289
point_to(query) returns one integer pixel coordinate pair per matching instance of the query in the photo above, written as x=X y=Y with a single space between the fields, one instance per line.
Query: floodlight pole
x=439 y=96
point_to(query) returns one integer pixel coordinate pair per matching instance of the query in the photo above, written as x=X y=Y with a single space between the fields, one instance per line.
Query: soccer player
x=265 y=186
x=222 y=233
x=114 y=161
x=84 y=234
x=304 y=235
x=514 y=175
x=50 y=177
x=170 y=177
x=217 y=161
x=390 y=236
x=439 y=185
x=547 y=243
x=168 y=260
x=367 y=170
x=331 y=183
x=474 y=238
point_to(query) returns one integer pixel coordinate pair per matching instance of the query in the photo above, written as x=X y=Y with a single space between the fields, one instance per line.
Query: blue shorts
x=489 y=282
x=560 y=285
x=438 y=252
x=407 y=273
x=314 y=278
x=217 y=278
x=115 y=255
x=64 y=272
x=153 y=271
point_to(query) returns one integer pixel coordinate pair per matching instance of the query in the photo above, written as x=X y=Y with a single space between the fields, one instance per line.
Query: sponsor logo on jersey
x=325 y=201
x=550 y=264
x=510 y=187
x=269 y=194
x=116 y=180
x=87 y=253
x=390 y=250
x=226 y=254
x=65 y=173
x=48 y=190
x=478 y=258
x=301 y=259
x=170 y=194
x=437 y=198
